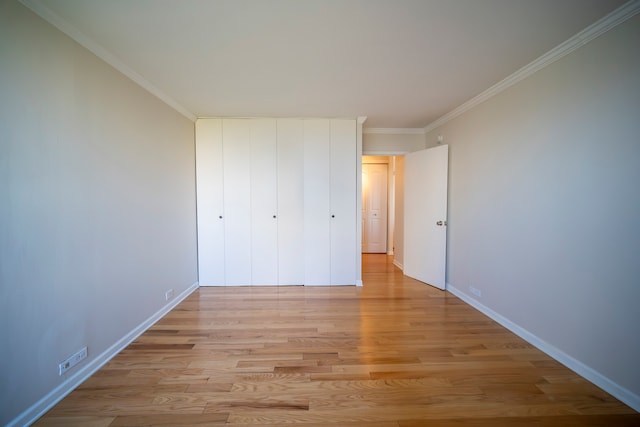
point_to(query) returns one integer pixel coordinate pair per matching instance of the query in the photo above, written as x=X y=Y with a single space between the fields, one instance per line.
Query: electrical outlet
x=477 y=292
x=72 y=360
x=168 y=295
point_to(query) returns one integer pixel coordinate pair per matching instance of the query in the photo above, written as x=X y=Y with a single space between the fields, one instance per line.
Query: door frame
x=391 y=198
x=391 y=234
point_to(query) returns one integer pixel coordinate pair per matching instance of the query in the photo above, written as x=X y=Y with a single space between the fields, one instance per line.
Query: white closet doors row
x=276 y=201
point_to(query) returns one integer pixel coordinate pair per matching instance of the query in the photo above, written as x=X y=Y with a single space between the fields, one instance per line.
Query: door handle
x=439 y=223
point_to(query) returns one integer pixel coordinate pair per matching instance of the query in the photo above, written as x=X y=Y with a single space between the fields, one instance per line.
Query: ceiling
x=401 y=63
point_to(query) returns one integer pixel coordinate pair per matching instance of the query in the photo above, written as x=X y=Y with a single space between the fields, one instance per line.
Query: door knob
x=439 y=223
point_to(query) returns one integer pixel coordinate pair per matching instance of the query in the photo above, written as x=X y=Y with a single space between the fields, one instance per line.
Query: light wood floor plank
x=394 y=353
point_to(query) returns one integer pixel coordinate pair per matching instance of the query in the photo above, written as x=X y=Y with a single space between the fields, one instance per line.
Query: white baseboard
x=38 y=409
x=611 y=387
x=397 y=264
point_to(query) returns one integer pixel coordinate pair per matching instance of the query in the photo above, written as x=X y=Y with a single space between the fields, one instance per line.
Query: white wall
x=391 y=143
x=97 y=210
x=544 y=206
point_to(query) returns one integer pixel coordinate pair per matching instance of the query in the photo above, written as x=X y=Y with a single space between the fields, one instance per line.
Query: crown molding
x=596 y=29
x=395 y=131
x=206 y=117
x=61 y=24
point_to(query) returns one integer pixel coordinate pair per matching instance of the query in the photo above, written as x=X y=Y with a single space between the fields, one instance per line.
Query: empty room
x=383 y=213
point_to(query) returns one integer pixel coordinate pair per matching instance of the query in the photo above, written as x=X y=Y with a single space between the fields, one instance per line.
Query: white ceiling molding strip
x=102 y=53
x=596 y=29
x=395 y=131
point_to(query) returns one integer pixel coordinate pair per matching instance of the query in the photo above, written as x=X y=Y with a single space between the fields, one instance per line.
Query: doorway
x=380 y=209
x=374 y=208
x=425 y=251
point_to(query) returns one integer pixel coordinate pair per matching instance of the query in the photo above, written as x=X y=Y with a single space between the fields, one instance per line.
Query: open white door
x=425 y=215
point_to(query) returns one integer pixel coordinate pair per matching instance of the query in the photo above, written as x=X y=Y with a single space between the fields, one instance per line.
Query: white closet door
x=290 y=202
x=236 y=136
x=209 y=174
x=343 y=202
x=317 y=202
x=264 y=198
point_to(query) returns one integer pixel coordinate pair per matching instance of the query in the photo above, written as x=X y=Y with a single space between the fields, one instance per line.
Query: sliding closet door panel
x=317 y=200
x=264 y=199
x=236 y=136
x=343 y=202
x=290 y=202
x=209 y=175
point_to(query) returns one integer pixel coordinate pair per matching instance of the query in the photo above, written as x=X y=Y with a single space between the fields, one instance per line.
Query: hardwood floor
x=394 y=353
